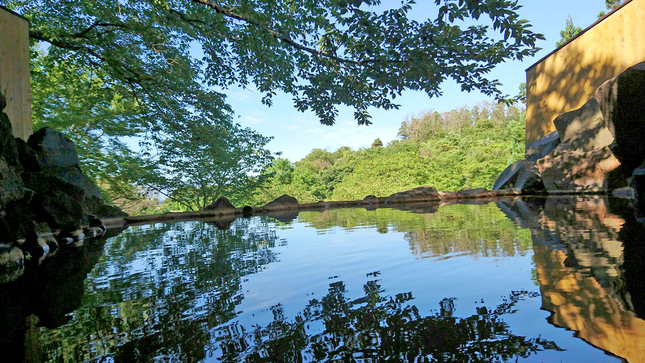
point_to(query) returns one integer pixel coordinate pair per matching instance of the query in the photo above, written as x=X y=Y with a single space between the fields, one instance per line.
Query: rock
x=523 y=175
x=624 y=193
x=95 y=206
x=12 y=263
x=474 y=193
x=8 y=147
x=53 y=148
x=622 y=101
x=3 y=102
x=371 y=199
x=36 y=245
x=56 y=202
x=27 y=156
x=220 y=204
x=420 y=194
x=578 y=171
x=283 y=202
x=542 y=147
x=445 y=196
x=12 y=187
x=584 y=129
x=247 y=211
x=20 y=218
x=74 y=175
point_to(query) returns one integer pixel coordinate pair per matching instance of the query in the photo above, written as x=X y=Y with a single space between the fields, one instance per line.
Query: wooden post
x=14 y=71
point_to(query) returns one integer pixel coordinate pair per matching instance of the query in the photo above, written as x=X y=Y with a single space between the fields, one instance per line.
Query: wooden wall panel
x=565 y=79
x=14 y=71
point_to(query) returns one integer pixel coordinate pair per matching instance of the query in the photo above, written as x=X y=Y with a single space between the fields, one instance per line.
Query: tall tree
x=568 y=33
x=149 y=69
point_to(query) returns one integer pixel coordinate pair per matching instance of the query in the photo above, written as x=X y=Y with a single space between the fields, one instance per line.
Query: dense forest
x=460 y=149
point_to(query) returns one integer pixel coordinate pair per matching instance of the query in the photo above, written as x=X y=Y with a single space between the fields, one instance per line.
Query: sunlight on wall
x=567 y=78
x=14 y=71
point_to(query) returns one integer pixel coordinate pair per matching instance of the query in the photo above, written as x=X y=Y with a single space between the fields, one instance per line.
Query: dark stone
x=283 y=202
x=20 y=218
x=56 y=202
x=93 y=205
x=523 y=175
x=8 y=147
x=420 y=194
x=12 y=187
x=622 y=101
x=221 y=203
x=12 y=263
x=542 y=147
x=247 y=211
x=3 y=102
x=74 y=175
x=584 y=129
x=371 y=199
x=53 y=148
x=27 y=156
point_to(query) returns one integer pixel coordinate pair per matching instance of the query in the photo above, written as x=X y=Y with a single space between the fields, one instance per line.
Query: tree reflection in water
x=378 y=327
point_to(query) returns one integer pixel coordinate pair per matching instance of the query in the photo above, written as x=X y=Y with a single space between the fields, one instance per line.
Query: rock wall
x=45 y=199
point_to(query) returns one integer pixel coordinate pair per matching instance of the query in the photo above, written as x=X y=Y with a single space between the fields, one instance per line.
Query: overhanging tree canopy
x=323 y=52
x=153 y=69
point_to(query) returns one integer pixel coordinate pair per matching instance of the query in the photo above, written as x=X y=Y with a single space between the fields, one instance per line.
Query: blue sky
x=296 y=133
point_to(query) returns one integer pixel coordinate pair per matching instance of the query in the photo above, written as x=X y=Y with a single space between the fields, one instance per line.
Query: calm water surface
x=534 y=280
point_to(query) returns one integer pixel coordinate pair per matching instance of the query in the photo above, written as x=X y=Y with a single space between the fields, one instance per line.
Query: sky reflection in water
x=462 y=284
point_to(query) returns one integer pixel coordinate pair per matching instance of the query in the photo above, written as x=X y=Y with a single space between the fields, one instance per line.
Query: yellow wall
x=14 y=71
x=567 y=78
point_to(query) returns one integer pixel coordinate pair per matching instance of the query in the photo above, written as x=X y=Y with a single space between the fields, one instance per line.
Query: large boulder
x=523 y=175
x=622 y=101
x=584 y=129
x=56 y=155
x=221 y=204
x=283 y=202
x=420 y=194
x=56 y=202
x=74 y=175
x=7 y=144
x=578 y=170
x=27 y=156
x=53 y=148
x=96 y=206
x=542 y=147
x=11 y=185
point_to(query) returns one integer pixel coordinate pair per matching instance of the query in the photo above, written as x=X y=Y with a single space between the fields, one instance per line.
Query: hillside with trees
x=461 y=149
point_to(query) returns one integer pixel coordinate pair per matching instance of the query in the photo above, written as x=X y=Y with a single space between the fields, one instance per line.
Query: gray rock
x=56 y=202
x=283 y=202
x=7 y=144
x=420 y=194
x=53 y=148
x=220 y=204
x=73 y=174
x=584 y=129
x=523 y=175
x=12 y=187
x=577 y=170
x=27 y=156
x=542 y=147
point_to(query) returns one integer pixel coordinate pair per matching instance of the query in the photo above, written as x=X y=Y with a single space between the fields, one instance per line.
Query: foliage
x=323 y=52
x=212 y=161
x=461 y=149
x=569 y=32
x=610 y=5
x=149 y=70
